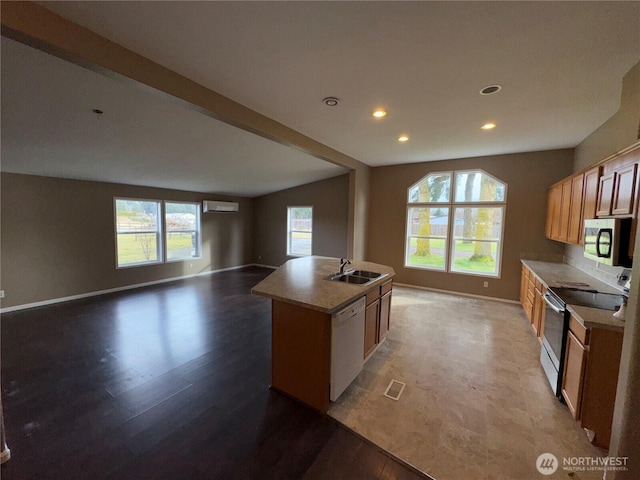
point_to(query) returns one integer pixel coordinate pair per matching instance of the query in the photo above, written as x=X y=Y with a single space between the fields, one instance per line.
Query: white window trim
x=159 y=232
x=451 y=205
x=289 y=231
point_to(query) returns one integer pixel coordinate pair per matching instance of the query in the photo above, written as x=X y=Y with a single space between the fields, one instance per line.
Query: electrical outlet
x=1 y=293
x=191 y=265
x=486 y=284
x=259 y=257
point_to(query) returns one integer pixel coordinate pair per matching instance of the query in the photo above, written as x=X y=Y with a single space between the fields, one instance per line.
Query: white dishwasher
x=347 y=346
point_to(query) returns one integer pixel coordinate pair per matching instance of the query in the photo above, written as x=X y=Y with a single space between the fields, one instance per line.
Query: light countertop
x=553 y=274
x=304 y=281
x=596 y=318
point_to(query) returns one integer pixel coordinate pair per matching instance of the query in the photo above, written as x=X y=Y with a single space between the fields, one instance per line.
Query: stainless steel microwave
x=606 y=240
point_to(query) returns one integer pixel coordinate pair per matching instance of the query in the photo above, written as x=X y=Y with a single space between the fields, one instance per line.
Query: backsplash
x=609 y=275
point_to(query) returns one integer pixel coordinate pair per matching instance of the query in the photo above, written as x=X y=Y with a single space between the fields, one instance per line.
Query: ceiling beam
x=42 y=29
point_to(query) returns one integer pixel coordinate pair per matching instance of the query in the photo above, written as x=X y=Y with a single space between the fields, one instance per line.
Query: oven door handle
x=552 y=305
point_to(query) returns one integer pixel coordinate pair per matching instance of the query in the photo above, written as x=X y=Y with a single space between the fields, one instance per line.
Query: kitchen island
x=303 y=300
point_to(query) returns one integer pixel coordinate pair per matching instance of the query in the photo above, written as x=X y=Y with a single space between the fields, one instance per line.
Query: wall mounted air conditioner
x=209 y=206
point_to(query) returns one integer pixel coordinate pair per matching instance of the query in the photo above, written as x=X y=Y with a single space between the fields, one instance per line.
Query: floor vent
x=394 y=390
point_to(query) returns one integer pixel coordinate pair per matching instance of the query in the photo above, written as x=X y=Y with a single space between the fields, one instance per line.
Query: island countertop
x=304 y=281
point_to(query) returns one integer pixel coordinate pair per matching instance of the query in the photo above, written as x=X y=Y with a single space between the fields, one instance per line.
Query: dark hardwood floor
x=165 y=382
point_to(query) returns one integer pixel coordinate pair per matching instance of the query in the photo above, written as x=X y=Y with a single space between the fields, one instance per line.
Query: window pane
x=433 y=188
x=299 y=230
x=478 y=187
x=477 y=233
x=427 y=237
x=137 y=228
x=183 y=230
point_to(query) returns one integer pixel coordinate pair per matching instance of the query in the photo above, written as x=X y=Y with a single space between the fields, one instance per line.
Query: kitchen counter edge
x=304 y=282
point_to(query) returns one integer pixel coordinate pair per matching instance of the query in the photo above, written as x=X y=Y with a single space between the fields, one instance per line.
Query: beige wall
x=527 y=175
x=57 y=238
x=330 y=202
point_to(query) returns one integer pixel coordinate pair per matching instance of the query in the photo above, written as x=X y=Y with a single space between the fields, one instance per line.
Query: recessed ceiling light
x=379 y=113
x=330 y=101
x=403 y=138
x=490 y=89
x=489 y=126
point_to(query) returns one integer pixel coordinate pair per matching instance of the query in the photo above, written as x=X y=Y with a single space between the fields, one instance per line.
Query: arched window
x=455 y=222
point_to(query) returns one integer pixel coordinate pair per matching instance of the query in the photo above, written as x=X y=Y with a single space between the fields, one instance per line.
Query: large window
x=138 y=228
x=299 y=231
x=139 y=231
x=455 y=223
x=182 y=237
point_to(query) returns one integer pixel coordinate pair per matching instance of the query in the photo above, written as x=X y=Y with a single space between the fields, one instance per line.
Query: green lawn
x=461 y=262
x=130 y=247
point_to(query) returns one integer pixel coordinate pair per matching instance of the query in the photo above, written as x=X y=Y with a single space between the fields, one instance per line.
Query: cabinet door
x=605 y=195
x=372 y=313
x=573 y=378
x=624 y=190
x=565 y=211
x=589 y=197
x=554 y=201
x=538 y=313
x=385 y=312
x=575 y=209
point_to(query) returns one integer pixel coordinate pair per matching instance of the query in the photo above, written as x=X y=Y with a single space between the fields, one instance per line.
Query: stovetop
x=588 y=298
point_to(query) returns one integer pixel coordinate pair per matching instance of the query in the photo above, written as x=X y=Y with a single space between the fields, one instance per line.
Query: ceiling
x=560 y=65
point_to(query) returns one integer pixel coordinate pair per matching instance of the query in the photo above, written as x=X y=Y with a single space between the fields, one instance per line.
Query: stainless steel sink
x=350 y=278
x=366 y=274
x=358 y=277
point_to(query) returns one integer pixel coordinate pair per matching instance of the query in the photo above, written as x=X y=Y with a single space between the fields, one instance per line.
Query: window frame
x=159 y=232
x=290 y=231
x=452 y=205
x=198 y=232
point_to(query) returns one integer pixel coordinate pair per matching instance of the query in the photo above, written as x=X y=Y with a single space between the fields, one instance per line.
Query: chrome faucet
x=343 y=263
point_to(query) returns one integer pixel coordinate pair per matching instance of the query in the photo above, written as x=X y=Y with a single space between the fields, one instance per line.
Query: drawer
x=373 y=295
x=538 y=284
x=386 y=287
x=579 y=330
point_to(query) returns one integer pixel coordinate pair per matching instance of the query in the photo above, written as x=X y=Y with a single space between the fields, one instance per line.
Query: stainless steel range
x=556 y=326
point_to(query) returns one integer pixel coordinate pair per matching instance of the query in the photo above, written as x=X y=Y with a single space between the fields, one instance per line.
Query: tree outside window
x=459 y=231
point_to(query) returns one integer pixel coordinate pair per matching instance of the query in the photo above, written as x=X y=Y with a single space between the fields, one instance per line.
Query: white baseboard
x=120 y=289
x=461 y=294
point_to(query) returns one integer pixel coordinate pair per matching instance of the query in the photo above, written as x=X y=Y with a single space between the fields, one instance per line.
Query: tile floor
x=476 y=403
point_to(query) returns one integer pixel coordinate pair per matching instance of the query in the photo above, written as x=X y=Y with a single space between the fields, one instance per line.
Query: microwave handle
x=600 y=232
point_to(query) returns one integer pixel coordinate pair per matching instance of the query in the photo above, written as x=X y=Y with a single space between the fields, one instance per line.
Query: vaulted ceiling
x=560 y=65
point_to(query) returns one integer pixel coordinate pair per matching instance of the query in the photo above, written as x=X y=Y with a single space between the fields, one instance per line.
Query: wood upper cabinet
x=617 y=195
x=575 y=209
x=589 y=197
x=565 y=211
x=605 y=194
x=554 y=202
x=624 y=190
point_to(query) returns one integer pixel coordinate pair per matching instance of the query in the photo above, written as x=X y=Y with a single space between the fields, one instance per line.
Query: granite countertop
x=303 y=281
x=596 y=318
x=554 y=274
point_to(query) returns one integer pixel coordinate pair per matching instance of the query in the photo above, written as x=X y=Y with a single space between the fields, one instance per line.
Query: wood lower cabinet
x=377 y=317
x=590 y=377
x=575 y=364
x=372 y=314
